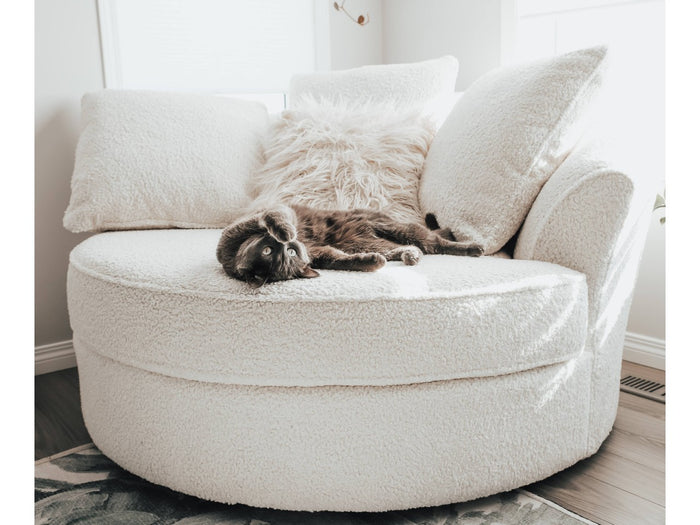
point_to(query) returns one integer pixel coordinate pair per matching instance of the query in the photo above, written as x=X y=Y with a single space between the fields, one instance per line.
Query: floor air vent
x=643 y=387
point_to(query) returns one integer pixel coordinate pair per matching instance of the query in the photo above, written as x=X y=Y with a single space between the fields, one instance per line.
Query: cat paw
x=370 y=262
x=475 y=250
x=279 y=226
x=411 y=256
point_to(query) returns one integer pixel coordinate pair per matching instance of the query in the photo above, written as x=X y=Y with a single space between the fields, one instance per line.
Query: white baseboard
x=53 y=357
x=645 y=350
x=640 y=349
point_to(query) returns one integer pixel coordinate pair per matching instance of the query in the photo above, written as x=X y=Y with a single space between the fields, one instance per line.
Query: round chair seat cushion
x=159 y=300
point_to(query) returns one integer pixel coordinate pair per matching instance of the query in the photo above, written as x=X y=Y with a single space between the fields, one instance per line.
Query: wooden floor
x=58 y=422
x=623 y=484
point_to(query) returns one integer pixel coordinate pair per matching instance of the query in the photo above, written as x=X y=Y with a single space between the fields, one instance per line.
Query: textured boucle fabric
x=345 y=155
x=339 y=448
x=503 y=140
x=406 y=85
x=159 y=300
x=592 y=216
x=157 y=160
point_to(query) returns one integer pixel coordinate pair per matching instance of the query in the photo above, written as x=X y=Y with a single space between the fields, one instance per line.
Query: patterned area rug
x=82 y=486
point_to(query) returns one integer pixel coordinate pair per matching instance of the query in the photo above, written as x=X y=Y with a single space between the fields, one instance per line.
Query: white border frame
x=111 y=60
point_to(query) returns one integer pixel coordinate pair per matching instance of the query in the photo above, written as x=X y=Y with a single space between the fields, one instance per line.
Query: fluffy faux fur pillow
x=344 y=156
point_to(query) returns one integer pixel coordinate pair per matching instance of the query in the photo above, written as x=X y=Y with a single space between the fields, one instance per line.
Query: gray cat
x=289 y=242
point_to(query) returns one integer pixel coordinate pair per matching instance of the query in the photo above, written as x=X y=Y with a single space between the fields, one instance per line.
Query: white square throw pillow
x=504 y=138
x=345 y=156
x=403 y=85
x=159 y=160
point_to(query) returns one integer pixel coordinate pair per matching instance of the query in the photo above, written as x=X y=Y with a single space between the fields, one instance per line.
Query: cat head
x=260 y=258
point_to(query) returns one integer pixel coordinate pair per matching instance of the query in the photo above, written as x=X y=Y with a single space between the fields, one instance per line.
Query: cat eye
x=292 y=252
x=266 y=250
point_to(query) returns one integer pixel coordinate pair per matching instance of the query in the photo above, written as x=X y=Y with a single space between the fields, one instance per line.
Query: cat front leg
x=234 y=235
x=329 y=258
x=281 y=223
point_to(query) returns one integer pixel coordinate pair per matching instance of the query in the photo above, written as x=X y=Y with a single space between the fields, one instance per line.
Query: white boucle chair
x=411 y=386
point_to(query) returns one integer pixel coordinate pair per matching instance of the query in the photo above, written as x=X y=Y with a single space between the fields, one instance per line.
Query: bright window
x=211 y=46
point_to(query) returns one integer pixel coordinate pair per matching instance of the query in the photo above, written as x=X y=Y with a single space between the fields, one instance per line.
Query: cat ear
x=308 y=272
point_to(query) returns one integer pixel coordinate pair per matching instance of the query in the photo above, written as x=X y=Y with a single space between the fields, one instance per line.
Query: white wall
x=353 y=45
x=470 y=30
x=648 y=311
x=67 y=64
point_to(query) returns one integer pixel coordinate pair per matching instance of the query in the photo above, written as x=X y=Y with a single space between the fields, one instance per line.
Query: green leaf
x=660 y=202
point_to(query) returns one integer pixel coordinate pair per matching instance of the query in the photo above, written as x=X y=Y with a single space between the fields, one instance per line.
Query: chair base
x=338 y=448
